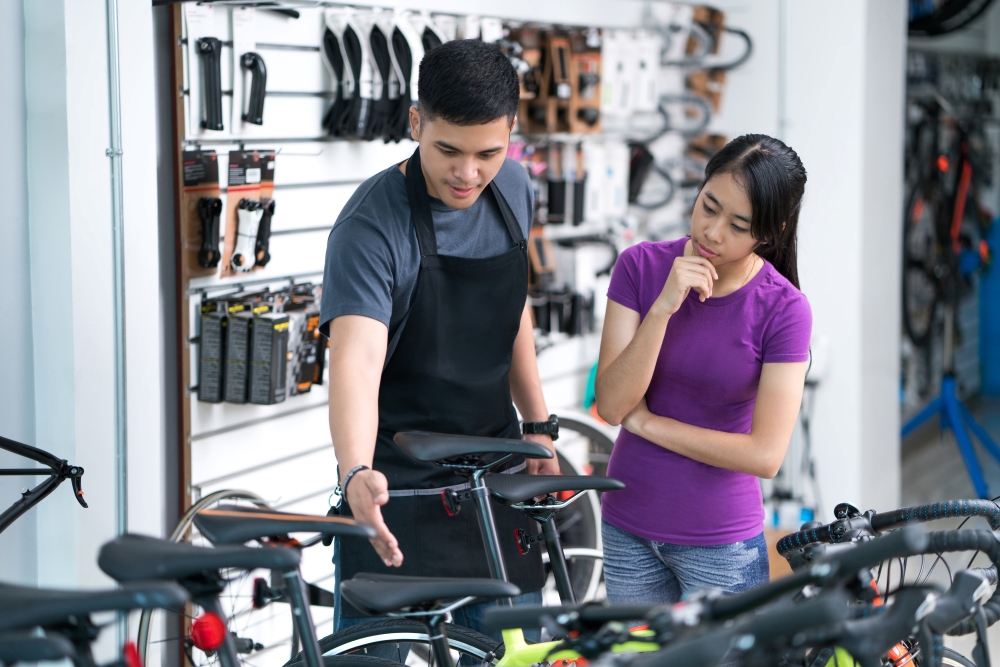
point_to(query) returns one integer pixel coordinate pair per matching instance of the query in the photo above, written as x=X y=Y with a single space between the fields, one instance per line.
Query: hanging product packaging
x=251 y=178
x=200 y=211
x=333 y=58
x=377 y=41
x=406 y=51
x=268 y=354
x=356 y=52
x=211 y=348
x=430 y=36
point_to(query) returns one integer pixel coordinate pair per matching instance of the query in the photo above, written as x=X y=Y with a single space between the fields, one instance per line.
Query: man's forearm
x=357 y=352
x=525 y=384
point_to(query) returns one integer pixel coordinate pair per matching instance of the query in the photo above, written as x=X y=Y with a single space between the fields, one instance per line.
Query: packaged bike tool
x=240 y=311
x=201 y=207
x=303 y=345
x=211 y=348
x=268 y=358
x=250 y=179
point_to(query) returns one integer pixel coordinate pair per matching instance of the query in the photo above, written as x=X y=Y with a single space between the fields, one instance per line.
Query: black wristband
x=550 y=427
x=347 y=480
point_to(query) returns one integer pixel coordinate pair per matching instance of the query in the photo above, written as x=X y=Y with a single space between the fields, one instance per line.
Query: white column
x=845 y=87
x=69 y=222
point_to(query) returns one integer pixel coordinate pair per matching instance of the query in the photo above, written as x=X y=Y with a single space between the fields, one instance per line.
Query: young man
x=425 y=295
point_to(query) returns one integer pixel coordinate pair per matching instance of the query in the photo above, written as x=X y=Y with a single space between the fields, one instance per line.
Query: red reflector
x=131 y=655
x=208 y=632
x=942 y=163
x=918 y=210
x=984 y=251
x=517 y=540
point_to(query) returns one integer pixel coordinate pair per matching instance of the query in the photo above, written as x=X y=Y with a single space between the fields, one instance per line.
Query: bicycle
x=206 y=572
x=58 y=470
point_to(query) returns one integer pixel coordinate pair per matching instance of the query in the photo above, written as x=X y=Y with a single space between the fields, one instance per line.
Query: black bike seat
x=19 y=647
x=22 y=607
x=134 y=557
x=518 y=488
x=236 y=525
x=378 y=594
x=433 y=447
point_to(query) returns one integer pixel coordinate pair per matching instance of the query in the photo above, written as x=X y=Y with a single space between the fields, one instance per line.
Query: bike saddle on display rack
x=379 y=594
x=137 y=557
x=441 y=447
x=236 y=525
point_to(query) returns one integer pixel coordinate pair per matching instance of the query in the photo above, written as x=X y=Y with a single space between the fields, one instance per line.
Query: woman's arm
x=629 y=348
x=759 y=453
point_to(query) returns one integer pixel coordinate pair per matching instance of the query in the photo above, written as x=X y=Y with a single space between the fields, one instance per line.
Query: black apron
x=448 y=373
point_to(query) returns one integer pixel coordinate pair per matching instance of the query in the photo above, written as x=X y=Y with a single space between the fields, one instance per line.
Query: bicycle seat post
x=557 y=560
x=488 y=529
x=296 y=589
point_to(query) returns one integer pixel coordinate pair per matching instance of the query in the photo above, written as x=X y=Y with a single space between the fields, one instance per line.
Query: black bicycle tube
x=210 y=50
x=33 y=453
x=29 y=500
x=488 y=529
x=557 y=560
x=302 y=617
x=227 y=651
x=253 y=63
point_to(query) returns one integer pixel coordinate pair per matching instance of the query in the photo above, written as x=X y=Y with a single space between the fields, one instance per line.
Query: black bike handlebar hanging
x=58 y=470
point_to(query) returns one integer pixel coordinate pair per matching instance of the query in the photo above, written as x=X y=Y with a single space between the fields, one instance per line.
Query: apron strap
x=508 y=215
x=420 y=206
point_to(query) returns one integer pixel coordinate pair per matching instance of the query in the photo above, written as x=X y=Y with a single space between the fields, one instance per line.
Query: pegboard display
x=278 y=118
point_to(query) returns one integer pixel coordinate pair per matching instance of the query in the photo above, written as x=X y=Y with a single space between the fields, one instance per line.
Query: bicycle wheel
x=264 y=636
x=406 y=641
x=955 y=659
x=584 y=447
x=920 y=254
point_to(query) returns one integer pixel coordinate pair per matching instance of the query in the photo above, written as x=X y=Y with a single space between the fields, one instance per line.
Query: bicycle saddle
x=236 y=525
x=133 y=557
x=378 y=594
x=28 y=648
x=519 y=488
x=434 y=447
x=22 y=607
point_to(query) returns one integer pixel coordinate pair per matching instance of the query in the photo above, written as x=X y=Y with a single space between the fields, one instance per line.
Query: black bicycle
x=56 y=470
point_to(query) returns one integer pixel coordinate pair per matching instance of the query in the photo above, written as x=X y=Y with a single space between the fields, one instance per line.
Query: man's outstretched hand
x=366 y=494
x=543 y=466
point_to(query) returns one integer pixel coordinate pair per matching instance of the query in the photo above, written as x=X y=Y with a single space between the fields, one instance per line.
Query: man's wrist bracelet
x=347 y=480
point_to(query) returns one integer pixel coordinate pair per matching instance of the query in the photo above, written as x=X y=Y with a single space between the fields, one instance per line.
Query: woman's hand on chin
x=635 y=419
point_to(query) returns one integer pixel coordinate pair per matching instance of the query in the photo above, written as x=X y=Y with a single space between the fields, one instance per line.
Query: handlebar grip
x=530 y=616
x=706 y=649
x=987 y=509
x=908 y=541
x=792 y=619
x=803 y=538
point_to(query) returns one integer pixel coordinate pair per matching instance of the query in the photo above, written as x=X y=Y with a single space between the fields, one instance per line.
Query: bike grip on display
x=902 y=543
x=253 y=63
x=210 y=50
x=531 y=616
x=987 y=509
x=706 y=649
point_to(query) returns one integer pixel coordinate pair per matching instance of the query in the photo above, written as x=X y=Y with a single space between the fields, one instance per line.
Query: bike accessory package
x=333 y=58
x=211 y=348
x=209 y=210
x=210 y=50
x=303 y=345
x=356 y=81
x=262 y=250
x=248 y=215
x=251 y=179
x=385 y=82
x=201 y=208
x=253 y=106
x=430 y=36
x=268 y=354
x=406 y=51
x=238 y=324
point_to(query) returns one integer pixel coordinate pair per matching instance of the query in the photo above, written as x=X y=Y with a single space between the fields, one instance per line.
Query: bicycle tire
x=393 y=633
x=951 y=658
x=921 y=292
x=248 y=617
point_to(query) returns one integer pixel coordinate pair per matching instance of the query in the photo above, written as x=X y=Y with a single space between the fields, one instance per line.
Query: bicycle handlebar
x=875 y=523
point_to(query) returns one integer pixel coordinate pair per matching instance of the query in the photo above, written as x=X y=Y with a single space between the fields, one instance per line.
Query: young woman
x=703 y=360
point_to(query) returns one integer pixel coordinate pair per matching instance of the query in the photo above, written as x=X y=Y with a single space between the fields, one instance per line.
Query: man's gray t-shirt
x=372 y=255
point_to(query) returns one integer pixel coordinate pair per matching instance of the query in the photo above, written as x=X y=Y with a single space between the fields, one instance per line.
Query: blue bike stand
x=956 y=417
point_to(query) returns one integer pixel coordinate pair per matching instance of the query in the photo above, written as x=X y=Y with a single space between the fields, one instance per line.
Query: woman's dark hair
x=468 y=82
x=774 y=180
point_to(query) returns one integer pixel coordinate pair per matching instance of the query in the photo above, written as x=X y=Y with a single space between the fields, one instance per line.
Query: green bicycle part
x=519 y=653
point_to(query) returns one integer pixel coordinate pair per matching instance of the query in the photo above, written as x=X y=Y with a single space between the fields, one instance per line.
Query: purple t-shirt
x=706 y=375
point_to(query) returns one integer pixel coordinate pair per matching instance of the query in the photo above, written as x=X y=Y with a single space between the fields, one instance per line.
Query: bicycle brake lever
x=75 y=474
x=253 y=63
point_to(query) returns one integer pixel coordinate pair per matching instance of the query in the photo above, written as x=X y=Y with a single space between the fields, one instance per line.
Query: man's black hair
x=467 y=82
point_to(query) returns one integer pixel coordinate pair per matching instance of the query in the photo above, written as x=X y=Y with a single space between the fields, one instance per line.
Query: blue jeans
x=469 y=616
x=641 y=571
